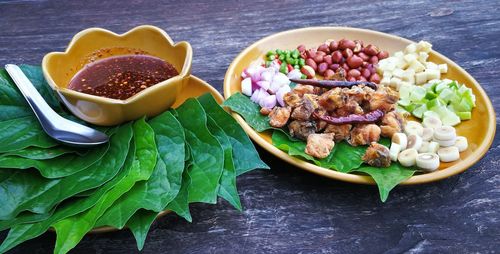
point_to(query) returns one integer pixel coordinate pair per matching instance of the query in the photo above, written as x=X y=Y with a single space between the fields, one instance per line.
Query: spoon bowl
x=57 y=127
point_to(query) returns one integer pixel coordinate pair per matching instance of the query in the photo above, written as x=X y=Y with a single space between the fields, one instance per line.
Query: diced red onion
x=268 y=102
x=281 y=78
x=246 y=87
x=275 y=65
x=255 y=96
x=267 y=75
x=244 y=74
x=264 y=84
x=294 y=74
x=281 y=93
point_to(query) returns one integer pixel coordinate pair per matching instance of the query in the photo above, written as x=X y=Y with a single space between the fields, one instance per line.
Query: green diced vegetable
x=464 y=115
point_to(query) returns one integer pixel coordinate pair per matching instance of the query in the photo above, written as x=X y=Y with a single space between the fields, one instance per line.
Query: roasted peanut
x=328 y=59
x=308 y=71
x=371 y=50
x=354 y=61
x=336 y=56
x=310 y=62
x=324 y=48
x=333 y=46
x=347 y=53
x=346 y=44
x=375 y=78
x=322 y=67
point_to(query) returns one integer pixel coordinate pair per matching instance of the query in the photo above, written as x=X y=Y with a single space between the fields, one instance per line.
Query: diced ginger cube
x=385 y=80
x=410 y=57
x=401 y=63
x=398 y=73
x=387 y=74
x=422 y=56
x=443 y=68
x=417 y=66
x=409 y=76
x=432 y=74
x=412 y=48
x=431 y=65
x=424 y=46
x=395 y=83
x=420 y=78
x=390 y=66
x=399 y=54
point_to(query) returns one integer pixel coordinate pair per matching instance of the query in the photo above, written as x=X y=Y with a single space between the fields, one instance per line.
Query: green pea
x=271 y=52
x=296 y=67
x=302 y=62
x=295 y=53
x=271 y=57
x=303 y=76
x=287 y=52
x=282 y=58
x=290 y=60
x=279 y=51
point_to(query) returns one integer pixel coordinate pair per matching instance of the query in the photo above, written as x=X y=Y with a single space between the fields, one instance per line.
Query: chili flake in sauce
x=121 y=77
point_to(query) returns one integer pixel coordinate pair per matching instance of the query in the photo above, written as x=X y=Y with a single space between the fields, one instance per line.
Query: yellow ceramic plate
x=194 y=88
x=479 y=131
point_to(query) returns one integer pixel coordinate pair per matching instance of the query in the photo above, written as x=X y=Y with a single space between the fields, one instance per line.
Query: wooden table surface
x=288 y=210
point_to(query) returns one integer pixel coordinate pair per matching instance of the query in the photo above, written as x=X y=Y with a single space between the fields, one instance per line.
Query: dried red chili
x=333 y=83
x=353 y=118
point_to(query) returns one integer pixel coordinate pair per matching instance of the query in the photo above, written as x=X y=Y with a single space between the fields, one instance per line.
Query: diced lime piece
x=446 y=94
x=419 y=111
x=470 y=98
x=464 y=115
x=430 y=113
x=405 y=102
x=463 y=89
x=411 y=107
x=401 y=110
x=440 y=87
x=434 y=103
x=430 y=95
x=404 y=91
x=417 y=94
x=441 y=111
x=453 y=85
x=450 y=119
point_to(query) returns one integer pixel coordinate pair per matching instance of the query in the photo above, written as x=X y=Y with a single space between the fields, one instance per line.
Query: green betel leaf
x=164 y=183
x=23 y=232
x=387 y=178
x=245 y=157
x=61 y=166
x=242 y=105
x=23 y=190
x=343 y=158
x=206 y=153
x=37 y=153
x=72 y=229
x=227 y=189
x=180 y=204
x=139 y=225
x=23 y=132
x=12 y=103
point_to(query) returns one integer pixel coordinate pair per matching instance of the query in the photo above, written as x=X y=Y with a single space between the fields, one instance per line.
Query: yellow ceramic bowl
x=92 y=44
x=479 y=131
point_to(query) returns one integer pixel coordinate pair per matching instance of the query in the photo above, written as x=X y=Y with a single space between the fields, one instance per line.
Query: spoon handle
x=40 y=107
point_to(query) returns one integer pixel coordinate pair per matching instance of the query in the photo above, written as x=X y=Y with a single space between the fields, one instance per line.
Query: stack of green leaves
x=343 y=158
x=149 y=165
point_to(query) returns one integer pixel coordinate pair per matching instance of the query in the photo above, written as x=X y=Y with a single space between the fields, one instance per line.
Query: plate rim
x=458 y=168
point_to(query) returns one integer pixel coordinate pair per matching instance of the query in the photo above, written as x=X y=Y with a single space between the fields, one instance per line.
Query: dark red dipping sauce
x=121 y=77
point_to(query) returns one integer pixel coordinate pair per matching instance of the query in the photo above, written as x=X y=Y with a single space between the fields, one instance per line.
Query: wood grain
x=287 y=210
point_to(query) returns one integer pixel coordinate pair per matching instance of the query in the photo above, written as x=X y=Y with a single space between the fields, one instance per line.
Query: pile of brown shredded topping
x=359 y=114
